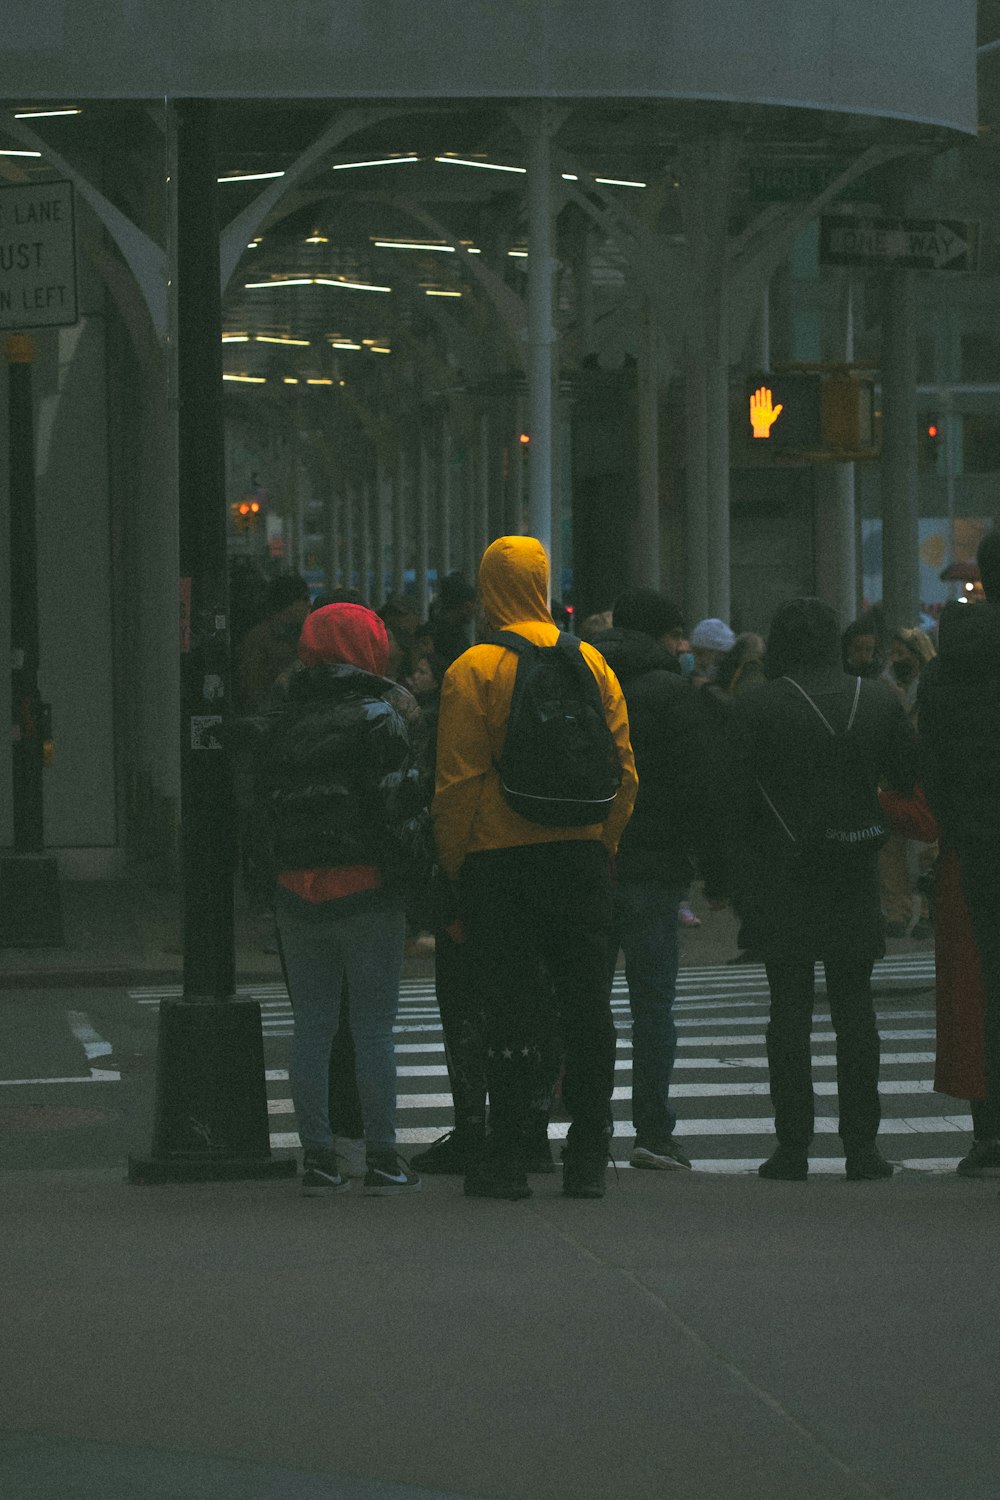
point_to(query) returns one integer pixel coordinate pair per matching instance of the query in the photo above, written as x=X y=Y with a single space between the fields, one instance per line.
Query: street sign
x=911 y=244
x=37 y=256
x=787 y=180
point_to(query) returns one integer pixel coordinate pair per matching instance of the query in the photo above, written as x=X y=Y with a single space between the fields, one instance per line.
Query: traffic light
x=246 y=513
x=930 y=444
x=819 y=413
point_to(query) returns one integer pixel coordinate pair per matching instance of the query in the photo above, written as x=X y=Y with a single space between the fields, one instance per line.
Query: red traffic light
x=932 y=430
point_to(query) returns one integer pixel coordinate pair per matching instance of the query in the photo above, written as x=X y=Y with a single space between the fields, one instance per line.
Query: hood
x=514 y=581
x=347 y=633
x=631 y=653
x=969 y=641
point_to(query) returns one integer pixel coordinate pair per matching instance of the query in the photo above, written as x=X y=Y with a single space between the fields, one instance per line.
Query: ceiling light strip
x=382 y=161
x=486 y=166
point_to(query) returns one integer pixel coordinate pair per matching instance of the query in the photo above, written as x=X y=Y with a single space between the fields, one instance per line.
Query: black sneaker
x=585 y=1174
x=658 y=1153
x=451 y=1154
x=321 y=1174
x=785 y=1164
x=867 y=1165
x=496 y=1178
x=537 y=1150
x=387 y=1175
x=983 y=1159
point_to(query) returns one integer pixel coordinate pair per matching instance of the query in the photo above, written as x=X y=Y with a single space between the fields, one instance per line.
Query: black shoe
x=387 y=1175
x=785 y=1164
x=867 y=1165
x=321 y=1174
x=450 y=1155
x=495 y=1177
x=585 y=1174
x=983 y=1159
x=537 y=1150
x=658 y=1153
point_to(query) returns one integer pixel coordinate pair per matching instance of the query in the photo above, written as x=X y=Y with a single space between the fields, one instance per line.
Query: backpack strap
x=513 y=642
x=816 y=709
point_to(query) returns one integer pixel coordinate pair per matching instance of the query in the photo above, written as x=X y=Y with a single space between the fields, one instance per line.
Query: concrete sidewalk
x=121 y=932
x=688 y=1338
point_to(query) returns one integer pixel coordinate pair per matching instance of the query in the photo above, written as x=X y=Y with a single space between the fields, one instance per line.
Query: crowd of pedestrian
x=537 y=804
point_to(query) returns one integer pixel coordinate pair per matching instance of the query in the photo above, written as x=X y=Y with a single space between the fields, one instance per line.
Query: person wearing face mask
x=910 y=650
x=709 y=641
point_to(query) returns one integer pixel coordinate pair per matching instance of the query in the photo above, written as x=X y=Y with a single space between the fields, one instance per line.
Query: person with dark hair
x=860 y=647
x=453 y=615
x=670 y=728
x=808 y=884
x=269 y=648
x=959 y=725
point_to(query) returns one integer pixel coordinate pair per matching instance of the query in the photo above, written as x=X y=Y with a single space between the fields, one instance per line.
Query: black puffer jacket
x=958 y=715
x=337 y=779
x=671 y=733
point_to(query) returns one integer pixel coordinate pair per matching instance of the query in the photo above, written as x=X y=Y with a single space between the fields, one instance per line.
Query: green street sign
x=785 y=180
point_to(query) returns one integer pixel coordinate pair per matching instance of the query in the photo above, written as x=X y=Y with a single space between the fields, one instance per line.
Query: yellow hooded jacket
x=470 y=812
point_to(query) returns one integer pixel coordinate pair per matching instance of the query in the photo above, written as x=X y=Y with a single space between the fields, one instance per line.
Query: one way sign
x=915 y=244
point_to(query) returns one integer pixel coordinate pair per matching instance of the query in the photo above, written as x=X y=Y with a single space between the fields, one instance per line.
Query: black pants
x=981 y=887
x=789 y=1056
x=538 y=919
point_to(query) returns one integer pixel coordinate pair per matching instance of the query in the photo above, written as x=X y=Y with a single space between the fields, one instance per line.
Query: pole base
x=151 y=1171
x=211 y=1121
x=30 y=904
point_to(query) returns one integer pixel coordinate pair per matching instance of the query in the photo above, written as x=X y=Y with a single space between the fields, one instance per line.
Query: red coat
x=959 y=1068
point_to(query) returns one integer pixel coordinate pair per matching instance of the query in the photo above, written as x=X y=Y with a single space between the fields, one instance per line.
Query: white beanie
x=712 y=635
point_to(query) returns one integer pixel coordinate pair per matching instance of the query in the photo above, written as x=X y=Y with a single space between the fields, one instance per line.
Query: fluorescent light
x=431 y=292
x=413 y=245
x=45 y=114
x=518 y=254
x=620 y=182
x=356 y=286
x=343 y=344
x=249 y=176
x=612 y=181
x=317 y=239
x=487 y=166
x=248 y=379
x=289 y=380
x=19 y=153
x=381 y=161
x=381 y=349
x=254 y=245
x=318 y=380
x=273 y=338
x=236 y=338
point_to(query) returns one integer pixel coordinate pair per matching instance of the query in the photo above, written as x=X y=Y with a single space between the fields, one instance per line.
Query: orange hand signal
x=763 y=414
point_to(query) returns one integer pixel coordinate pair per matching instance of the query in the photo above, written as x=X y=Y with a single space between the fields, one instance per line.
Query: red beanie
x=345 y=633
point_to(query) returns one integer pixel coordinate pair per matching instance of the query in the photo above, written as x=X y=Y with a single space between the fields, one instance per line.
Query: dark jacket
x=671 y=731
x=337 y=779
x=958 y=712
x=775 y=740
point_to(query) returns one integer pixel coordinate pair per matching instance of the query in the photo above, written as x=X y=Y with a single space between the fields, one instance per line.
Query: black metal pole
x=211 y=1119
x=30 y=910
x=26 y=701
x=207 y=827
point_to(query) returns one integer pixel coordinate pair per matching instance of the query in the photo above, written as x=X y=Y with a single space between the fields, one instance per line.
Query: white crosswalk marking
x=720 y=1071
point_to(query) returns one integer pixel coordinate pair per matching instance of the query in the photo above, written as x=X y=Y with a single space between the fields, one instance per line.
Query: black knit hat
x=646 y=610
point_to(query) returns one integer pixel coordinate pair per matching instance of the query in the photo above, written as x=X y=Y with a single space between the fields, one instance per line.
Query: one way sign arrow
x=917 y=244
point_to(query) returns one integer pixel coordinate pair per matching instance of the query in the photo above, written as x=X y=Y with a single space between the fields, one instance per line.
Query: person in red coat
x=959 y=1063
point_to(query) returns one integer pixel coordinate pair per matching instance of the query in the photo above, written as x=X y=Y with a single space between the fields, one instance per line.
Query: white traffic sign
x=37 y=256
x=914 y=244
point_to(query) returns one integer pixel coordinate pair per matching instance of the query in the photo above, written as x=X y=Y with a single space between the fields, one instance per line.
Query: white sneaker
x=350 y=1156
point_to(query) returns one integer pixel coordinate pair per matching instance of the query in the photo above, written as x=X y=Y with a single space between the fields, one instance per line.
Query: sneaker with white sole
x=659 y=1154
x=350 y=1156
x=387 y=1175
x=321 y=1174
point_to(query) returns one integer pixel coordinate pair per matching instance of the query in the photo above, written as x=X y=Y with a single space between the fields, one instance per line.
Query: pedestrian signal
x=785 y=411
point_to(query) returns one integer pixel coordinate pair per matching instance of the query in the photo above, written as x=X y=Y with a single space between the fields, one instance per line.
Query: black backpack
x=559 y=765
x=844 y=818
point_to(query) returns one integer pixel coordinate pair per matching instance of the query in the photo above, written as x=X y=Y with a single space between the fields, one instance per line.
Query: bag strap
x=514 y=642
x=817 y=710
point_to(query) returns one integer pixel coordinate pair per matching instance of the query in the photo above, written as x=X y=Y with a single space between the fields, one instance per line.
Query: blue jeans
x=324 y=944
x=645 y=928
